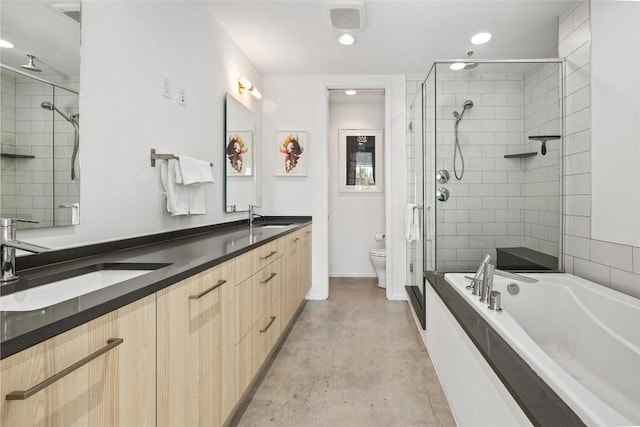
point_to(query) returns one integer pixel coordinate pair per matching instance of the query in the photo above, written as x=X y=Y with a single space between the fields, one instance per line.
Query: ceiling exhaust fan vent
x=345 y=16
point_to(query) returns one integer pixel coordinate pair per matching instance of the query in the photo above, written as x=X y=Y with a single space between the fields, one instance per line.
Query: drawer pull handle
x=296 y=239
x=213 y=288
x=272 y=253
x=271 y=276
x=25 y=394
x=273 y=318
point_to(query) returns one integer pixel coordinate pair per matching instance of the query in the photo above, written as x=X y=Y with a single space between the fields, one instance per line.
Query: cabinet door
x=190 y=349
x=114 y=388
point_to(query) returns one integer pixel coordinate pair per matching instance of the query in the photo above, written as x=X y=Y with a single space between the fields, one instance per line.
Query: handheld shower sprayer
x=467 y=105
x=74 y=120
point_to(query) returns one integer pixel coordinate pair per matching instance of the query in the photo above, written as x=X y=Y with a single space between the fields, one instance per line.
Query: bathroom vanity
x=182 y=344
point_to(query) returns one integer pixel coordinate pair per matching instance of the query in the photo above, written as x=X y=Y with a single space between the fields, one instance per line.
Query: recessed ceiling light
x=346 y=39
x=481 y=38
x=457 y=66
x=4 y=43
x=350 y=92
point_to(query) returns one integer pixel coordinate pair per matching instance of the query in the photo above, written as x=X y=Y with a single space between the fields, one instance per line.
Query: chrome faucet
x=476 y=281
x=8 y=246
x=252 y=214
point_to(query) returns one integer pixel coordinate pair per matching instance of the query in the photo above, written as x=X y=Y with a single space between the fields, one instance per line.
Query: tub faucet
x=487 y=282
x=8 y=246
x=476 y=280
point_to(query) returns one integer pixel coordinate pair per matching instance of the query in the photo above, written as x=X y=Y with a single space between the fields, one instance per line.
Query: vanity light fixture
x=481 y=38
x=350 y=92
x=245 y=84
x=346 y=39
x=6 y=44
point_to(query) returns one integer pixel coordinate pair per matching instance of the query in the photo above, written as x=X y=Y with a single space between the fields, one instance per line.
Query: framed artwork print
x=360 y=160
x=239 y=153
x=291 y=153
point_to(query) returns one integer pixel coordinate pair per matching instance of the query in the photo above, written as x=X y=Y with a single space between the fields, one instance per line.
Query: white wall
x=127 y=47
x=354 y=218
x=610 y=264
x=301 y=103
x=615 y=28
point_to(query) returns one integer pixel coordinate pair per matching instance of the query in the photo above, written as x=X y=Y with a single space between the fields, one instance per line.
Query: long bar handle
x=213 y=288
x=273 y=319
x=25 y=394
x=272 y=253
x=271 y=276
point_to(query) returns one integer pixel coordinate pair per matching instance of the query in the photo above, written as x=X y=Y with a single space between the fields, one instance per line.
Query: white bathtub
x=581 y=338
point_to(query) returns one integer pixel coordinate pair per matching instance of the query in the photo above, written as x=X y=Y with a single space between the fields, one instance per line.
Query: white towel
x=177 y=195
x=194 y=171
x=412 y=223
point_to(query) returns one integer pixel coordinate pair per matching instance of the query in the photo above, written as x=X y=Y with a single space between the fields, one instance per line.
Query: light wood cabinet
x=116 y=388
x=184 y=356
x=190 y=349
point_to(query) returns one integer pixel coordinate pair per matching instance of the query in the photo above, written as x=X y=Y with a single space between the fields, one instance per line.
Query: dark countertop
x=185 y=253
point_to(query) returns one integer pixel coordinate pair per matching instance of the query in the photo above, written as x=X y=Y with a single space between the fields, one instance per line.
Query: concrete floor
x=353 y=360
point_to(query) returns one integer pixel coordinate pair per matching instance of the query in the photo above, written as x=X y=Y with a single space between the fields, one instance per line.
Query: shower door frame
x=433 y=275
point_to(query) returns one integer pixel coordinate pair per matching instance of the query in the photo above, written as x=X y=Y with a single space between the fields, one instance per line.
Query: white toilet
x=379 y=261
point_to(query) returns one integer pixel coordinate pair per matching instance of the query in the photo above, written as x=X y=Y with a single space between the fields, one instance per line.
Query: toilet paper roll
x=379 y=237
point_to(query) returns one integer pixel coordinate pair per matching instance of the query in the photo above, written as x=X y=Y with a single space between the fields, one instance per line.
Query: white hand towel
x=177 y=195
x=412 y=223
x=197 y=201
x=194 y=171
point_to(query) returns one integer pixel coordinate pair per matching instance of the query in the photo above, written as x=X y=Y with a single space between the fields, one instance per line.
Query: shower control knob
x=442 y=176
x=442 y=194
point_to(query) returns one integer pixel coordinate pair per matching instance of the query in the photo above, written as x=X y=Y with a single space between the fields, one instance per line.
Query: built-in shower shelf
x=520 y=155
x=17 y=156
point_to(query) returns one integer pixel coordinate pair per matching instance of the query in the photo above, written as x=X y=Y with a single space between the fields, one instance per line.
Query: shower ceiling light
x=346 y=39
x=4 y=43
x=457 y=66
x=481 y=38
x=350 y=92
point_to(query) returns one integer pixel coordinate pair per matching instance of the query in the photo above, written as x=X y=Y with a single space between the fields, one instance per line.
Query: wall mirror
x=40 y=134
x=239 y=156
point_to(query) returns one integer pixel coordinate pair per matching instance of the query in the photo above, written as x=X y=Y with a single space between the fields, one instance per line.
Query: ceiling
x=36 y=28
x=400 y=37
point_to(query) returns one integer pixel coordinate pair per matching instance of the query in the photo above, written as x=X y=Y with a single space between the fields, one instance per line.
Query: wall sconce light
x=245 y=84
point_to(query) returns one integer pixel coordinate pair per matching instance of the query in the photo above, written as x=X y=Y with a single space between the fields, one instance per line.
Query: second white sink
x=66 y=289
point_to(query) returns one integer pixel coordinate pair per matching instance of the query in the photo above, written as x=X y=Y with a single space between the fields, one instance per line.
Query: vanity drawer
x=267 y=285
x=249 y=263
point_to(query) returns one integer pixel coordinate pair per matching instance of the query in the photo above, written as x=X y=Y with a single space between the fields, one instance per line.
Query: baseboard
x=351 y=275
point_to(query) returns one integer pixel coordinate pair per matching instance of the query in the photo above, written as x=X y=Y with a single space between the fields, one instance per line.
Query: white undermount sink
x=62 y=290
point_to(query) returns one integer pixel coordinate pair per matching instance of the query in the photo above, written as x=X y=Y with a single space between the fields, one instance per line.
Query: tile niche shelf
x=520 y=155
x=17 y=156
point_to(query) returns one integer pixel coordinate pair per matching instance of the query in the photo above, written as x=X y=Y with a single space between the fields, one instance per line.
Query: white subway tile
x=508 y=87
x=597 y=273
x=508 y=241
x=469 y=255
x=455 y=86
x=612 y=254
x=496 y=202
x=496 y=100
x=453 y=242
x=506 y=215
x=578 y=79
x=469 y=229
x=481 y=86
x=636 y=260
x=625 y=282
x=482 y=215
x=578 y=205
x=568 y=264
x=581 y=14
x=495 y=229
x=578 y=121
x=577 y=247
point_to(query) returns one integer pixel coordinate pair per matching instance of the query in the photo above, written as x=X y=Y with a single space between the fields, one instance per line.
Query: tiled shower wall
x=28 y=129
x=486 y=207
x=542 y=188
x=609 y=264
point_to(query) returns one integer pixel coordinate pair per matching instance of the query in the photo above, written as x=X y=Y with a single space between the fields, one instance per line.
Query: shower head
x=468 y=104
x=470 y=65
x=47 y=105
x=31 y=66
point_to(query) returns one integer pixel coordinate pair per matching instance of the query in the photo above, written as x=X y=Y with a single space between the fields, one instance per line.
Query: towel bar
x=156 y=156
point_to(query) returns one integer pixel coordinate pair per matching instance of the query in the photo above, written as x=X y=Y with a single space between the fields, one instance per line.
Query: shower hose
x=457 y=149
